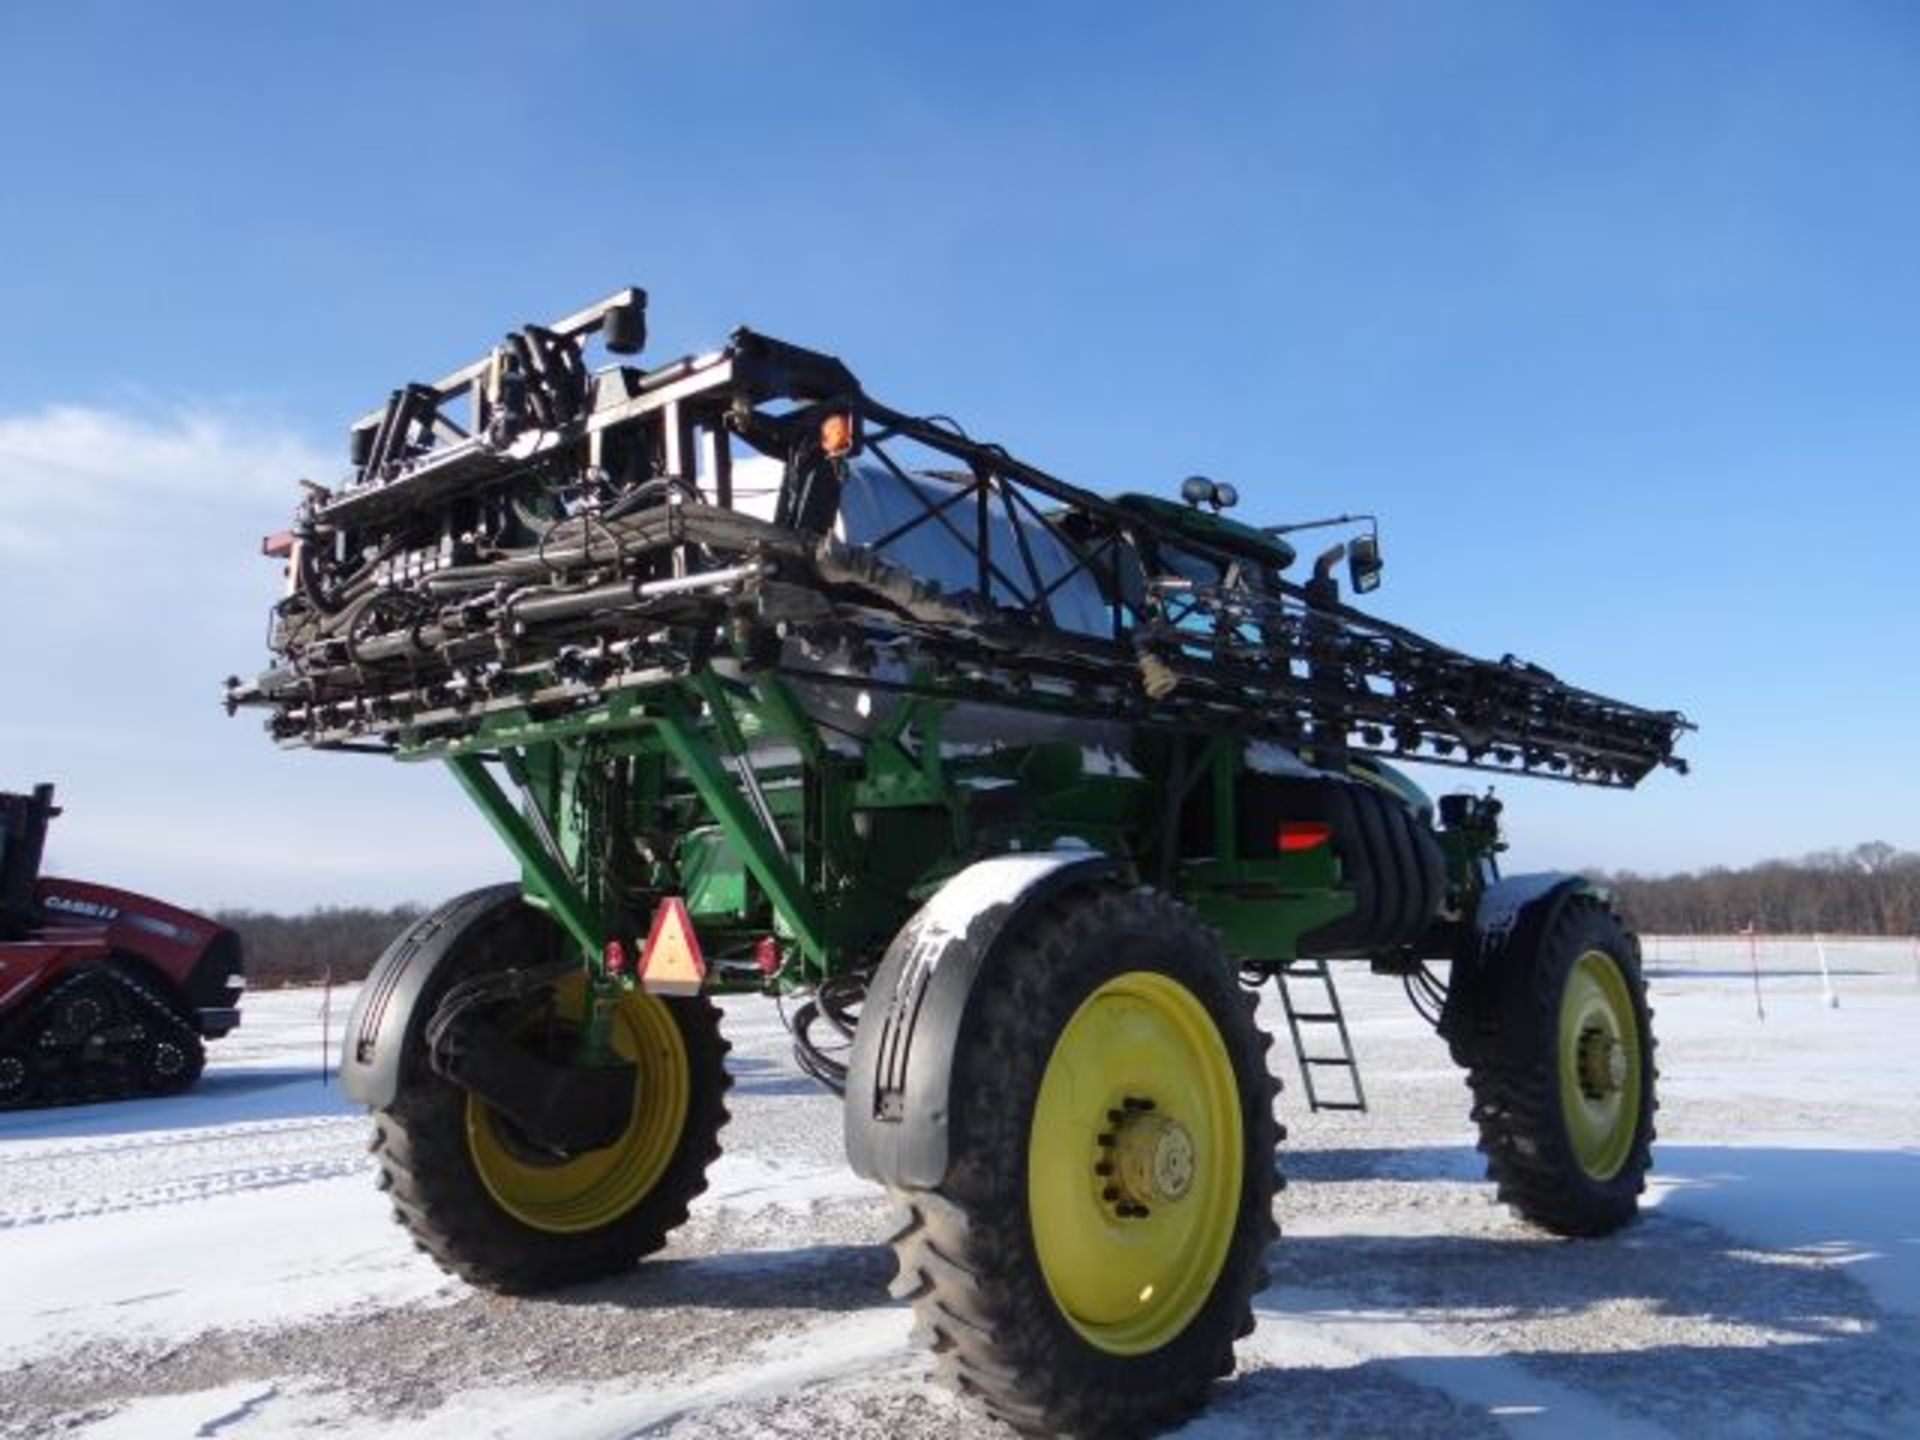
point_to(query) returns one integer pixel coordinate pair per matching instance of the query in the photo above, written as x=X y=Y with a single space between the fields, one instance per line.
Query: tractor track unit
x=104 y=994
x=1017 y=791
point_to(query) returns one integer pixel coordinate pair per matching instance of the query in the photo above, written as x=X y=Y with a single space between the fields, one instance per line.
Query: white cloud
x=131 y=583
x=120 y=474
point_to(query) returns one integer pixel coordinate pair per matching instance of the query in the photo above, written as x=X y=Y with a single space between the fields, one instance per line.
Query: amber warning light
x=836 y=435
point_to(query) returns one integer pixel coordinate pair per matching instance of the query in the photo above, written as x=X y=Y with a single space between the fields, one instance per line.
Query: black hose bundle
x=836 y=1001
x=1427 y=991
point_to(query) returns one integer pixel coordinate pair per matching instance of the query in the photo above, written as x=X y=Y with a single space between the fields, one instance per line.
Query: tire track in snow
x=59 y=1151
x=868 y=1342
x=673 y=1338
x=181 y=1191
x=1302 y=1329
x=54 y=1184
x=1407 y=1301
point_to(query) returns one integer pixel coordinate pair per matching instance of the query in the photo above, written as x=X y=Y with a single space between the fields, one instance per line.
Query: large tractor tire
x=1563 y=1086
x=504 y=1214
x=1091 y=1256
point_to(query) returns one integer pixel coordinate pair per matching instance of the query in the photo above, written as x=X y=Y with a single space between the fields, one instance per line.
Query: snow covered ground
x=221 y=1265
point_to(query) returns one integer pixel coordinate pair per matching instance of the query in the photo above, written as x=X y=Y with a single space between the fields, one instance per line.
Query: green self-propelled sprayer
x=1021 y=791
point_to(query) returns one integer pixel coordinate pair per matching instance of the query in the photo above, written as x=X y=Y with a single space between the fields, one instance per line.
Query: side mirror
x=1364 y=564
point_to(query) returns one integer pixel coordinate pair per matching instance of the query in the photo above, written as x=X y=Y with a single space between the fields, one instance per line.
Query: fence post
x=326 y=1024
x=1753 y=958
x=1826 y=975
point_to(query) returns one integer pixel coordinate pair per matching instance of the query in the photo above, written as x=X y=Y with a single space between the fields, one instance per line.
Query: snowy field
x=220 y=1264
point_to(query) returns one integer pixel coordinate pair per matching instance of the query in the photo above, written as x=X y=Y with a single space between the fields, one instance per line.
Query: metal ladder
x=1327 y=1014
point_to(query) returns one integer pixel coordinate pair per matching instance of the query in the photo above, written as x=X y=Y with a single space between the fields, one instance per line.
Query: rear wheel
x=583 y=1193
x=506 y=1214
x=1563 y=1088
x=1091 y=1257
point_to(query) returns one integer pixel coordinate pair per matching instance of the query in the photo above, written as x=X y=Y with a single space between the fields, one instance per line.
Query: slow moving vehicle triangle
x=672 y=964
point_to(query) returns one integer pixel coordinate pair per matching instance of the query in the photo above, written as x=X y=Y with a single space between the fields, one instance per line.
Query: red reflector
x=278 y=545
x=1297 y=835
x=614 y=958
x=766 y=954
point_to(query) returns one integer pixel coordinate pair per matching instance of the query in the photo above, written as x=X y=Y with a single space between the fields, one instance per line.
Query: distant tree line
x=1872 y=889
x=301 y=949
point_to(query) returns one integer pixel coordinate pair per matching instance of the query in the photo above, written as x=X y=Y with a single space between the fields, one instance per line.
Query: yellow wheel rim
x=1599 y=1059
x=1135 y=1162
x=598 y=1187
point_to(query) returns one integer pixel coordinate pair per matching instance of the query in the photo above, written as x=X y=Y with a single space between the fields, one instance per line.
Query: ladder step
x=1316 y=971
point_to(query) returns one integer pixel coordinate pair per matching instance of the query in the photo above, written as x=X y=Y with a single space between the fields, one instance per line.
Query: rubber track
x=965 y=1259
x=106 y=1082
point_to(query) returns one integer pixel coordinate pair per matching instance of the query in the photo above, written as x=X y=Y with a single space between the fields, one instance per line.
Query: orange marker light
x=1294 y=836
x=836 y=435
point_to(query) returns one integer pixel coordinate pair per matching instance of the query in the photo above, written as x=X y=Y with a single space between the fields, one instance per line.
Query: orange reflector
x=1297 y=835
x=836 y=435
x=671 y=963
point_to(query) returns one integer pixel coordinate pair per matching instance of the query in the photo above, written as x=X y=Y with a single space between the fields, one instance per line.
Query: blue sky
x=1612 y=313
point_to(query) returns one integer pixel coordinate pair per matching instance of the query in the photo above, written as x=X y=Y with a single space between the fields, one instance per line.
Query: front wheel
x=1563 y=1091
x=500 y=1211
x=1090 y=1258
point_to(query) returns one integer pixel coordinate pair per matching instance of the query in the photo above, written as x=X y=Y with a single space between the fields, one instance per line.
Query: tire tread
x=1513 y=1079
x=964 y=1251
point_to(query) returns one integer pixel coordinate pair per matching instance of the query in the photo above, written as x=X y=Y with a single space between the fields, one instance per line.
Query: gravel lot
x=219 y=1264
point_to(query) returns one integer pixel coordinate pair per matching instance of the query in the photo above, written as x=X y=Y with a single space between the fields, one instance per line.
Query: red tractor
x=103 y=994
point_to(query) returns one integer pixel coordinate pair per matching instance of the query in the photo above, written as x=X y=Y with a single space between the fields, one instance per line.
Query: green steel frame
x=826 y=850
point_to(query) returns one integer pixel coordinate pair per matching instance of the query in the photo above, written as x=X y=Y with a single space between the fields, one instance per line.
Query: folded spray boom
x=530 y=535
